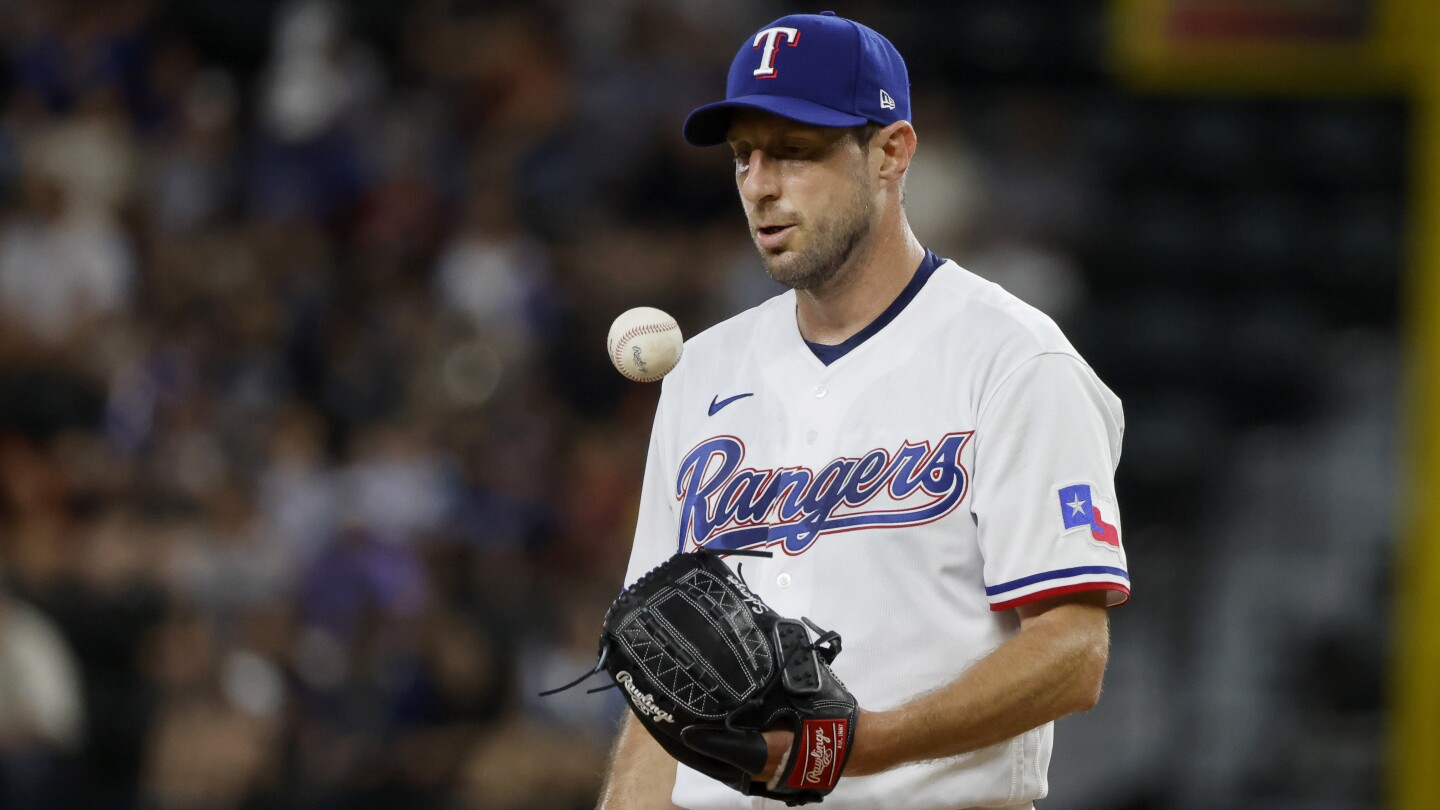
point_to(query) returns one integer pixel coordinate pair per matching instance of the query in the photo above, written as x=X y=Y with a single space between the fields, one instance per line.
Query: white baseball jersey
x=953 y=460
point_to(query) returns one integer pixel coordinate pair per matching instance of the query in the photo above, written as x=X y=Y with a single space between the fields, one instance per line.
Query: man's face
x=807 y=192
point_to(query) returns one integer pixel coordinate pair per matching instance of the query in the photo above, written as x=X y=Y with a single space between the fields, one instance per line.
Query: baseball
x=645 y=343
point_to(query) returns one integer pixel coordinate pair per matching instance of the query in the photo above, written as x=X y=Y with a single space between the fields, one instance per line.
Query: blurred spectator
x=89 y=155
x=317 y=97
x=398 y=487
x=41 y=713
x=188 y=175
x=298 y=495
x=492 y=274
x=62 y=266
x=207 y=756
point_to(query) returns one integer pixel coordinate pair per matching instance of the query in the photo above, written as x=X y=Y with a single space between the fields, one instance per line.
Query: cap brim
x=708 y=125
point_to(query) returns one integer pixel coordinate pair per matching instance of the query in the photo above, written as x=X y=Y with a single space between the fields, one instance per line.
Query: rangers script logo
x=725 y=505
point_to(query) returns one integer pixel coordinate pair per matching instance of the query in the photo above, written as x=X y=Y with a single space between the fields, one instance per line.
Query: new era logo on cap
x=817 y=69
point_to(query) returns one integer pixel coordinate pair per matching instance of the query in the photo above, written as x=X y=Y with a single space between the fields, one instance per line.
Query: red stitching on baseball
x=635 y=331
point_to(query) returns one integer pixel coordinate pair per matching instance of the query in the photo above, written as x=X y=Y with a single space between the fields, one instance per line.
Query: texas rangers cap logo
x=817 y=69
x=1080 y=509
x=766 y=40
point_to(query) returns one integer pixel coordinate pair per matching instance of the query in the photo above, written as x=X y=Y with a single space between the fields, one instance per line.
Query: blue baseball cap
x=813 y=68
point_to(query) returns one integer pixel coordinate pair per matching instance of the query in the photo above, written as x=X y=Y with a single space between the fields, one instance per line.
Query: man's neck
x=833 y=313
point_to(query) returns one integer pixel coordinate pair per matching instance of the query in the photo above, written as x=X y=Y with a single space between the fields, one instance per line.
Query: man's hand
x=641 y=774
x=864 y=755
x=779 y=742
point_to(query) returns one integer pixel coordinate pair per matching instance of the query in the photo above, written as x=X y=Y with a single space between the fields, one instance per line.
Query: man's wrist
x=871 y=750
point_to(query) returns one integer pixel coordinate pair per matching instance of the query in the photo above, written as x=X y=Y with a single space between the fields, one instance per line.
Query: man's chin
x=791 y=270
x=778 y=263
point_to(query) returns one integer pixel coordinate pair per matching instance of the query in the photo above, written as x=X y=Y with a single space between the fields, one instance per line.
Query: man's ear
x=896 y=146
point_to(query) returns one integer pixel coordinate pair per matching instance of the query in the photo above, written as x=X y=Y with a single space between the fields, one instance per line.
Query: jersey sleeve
x=657 y=526
x=1047 y=445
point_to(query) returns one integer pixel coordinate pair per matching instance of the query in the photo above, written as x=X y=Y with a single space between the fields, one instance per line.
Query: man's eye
x=742 y=160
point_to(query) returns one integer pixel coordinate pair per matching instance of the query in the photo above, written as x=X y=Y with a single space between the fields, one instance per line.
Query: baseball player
x=929 y=459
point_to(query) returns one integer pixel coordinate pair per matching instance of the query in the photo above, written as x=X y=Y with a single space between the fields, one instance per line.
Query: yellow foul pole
x=1414 y=754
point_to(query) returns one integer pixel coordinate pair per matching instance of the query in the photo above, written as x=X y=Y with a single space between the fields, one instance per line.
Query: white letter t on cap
x=767 y=57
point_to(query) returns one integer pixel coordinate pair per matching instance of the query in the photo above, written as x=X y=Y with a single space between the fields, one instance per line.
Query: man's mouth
x=771 y=236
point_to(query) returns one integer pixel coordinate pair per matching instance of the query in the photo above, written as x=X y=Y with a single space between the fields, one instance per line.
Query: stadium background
x=313 y=470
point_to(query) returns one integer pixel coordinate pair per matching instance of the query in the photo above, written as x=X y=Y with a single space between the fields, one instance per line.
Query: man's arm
x=641 y=776
x=1053 y=667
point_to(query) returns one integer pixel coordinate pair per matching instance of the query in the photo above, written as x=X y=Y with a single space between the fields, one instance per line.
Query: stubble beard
x=835 y=244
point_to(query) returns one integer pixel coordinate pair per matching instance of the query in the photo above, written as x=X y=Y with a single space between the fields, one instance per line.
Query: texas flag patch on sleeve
x=1079 y=508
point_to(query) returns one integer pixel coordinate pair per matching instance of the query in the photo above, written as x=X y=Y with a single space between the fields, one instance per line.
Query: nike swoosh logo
x=716 y=406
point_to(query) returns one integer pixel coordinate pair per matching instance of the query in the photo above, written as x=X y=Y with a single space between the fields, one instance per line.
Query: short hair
x=863 y=133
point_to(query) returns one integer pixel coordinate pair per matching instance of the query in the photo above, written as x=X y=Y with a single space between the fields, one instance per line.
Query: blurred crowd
x=312 y=468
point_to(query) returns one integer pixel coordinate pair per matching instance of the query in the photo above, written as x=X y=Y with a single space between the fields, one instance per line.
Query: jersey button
x=811 y=436
x=783 y=580
x=821 y=391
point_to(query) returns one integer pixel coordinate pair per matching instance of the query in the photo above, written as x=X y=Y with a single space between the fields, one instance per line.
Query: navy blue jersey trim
x=1060 y=574
x=829 y=354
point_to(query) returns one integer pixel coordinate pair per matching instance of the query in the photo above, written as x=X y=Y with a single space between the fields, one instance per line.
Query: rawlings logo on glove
x=824 y=752
x=708 y=667
x=644 y=704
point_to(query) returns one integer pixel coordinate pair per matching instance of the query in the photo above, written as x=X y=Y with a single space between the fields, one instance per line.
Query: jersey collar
x=828 y=354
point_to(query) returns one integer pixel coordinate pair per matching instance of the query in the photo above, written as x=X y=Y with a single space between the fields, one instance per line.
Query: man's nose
x=760 y=179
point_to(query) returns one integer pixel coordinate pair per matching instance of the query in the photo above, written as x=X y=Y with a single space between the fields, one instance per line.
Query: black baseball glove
x=707 y=667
